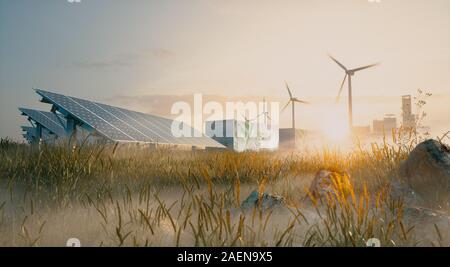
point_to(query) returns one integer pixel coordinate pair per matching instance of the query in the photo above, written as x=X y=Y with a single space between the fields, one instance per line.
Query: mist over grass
x=135 y=196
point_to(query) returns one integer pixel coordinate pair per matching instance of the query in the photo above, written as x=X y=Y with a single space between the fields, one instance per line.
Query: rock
x=429 y=225
x=327 y=182
x=427 y=170
x=265 y=201
x=401 y=191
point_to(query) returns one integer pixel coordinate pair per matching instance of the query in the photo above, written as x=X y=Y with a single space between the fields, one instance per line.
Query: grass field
x=122 y=196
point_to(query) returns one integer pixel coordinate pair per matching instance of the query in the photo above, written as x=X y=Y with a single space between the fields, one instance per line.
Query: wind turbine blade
x=289 y=90
x=340 y=89
x=285 y=106
x=365 y=67
x=300 y=101
x=265 y=114
x=337 y=62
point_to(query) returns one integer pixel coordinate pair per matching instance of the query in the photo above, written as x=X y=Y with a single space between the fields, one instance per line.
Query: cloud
x=159 y=53
x=104 y=64
x=125 y=60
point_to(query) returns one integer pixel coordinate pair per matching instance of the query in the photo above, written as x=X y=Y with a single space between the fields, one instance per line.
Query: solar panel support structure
x=38 y=131
x=70 y=126
x=39 y=134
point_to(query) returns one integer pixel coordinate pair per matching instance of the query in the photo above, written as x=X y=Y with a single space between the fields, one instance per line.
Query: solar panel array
x=54 y=123
x=28 y=129
x=124 y=125
x=30 y=133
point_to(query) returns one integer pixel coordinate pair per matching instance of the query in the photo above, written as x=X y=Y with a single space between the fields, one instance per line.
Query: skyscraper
x=409 y=119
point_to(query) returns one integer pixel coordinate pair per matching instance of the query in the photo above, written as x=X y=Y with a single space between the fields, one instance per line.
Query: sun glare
x=334 y=124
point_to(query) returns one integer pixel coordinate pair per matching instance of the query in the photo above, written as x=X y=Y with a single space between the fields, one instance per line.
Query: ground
x=129 y=196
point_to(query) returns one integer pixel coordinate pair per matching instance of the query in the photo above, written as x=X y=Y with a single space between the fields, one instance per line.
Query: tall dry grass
x=130 y=196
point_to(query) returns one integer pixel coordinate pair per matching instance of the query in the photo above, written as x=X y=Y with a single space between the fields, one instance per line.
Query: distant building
x=409 y=119
x=287 y=138
x=243 y=135
x=386 y=125
x=291 y=139
x=377 y=126
x=390 y=123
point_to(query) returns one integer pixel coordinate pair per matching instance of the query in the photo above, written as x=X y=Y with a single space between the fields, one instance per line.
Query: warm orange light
x=334 y=124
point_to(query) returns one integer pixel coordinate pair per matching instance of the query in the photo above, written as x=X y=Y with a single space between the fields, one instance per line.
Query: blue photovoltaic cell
x=156 y=134
x=120 y=124
x=164 y=133
x=28 y=128
x=165 y=126
x=30 y=132
x=131 y=124
x=78 y=111
x=51 y=121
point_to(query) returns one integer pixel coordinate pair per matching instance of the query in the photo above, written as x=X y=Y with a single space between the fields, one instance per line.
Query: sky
x=142 y=54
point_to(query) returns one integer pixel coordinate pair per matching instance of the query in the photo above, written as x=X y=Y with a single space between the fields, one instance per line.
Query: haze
x=144 y=50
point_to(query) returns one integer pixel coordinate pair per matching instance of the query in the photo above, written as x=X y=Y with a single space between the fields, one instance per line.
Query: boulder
x=264 y=201
x=328 y=182
x=430 y=226
x=427 y=170
x=401 y=191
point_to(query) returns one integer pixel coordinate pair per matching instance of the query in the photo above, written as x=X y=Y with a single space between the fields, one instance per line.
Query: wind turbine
x=265 y=113
x=266 y=117
x=248 y=127
x=349 y=74
x=292 y=100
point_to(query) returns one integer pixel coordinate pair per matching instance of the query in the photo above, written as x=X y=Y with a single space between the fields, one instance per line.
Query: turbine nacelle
x=350 y=73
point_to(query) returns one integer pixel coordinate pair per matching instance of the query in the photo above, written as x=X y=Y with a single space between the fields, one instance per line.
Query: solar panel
x=122 y=125
x=28 y=128
x=162 y=127
x=156 y=133
x=51 y=121
x=30 y=133
x=84 y=115
x=109 y=118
